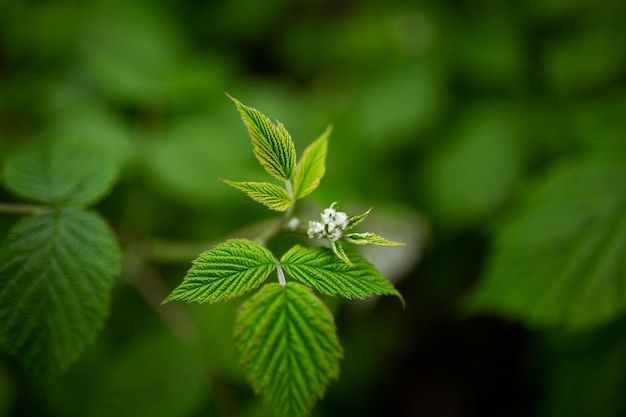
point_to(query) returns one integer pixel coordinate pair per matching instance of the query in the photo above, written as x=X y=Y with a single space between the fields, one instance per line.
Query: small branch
x=153 y=289
x=23 y=208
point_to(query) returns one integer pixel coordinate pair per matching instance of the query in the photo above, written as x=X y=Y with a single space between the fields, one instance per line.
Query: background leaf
x=61 y=172
x=56 y=273
x=288 y=347
x=311 y=167
x=270 y=195
x=155 y=376
x=321 y=269
x=230 y=269
x=272 y=143
x=561 y=260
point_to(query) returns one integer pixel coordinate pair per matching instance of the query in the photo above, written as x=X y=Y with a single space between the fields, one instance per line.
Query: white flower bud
x=293 y=223
x=332 y=225
x=315 y=230
x=328 y=215
x=335 y=235
x=341 y=219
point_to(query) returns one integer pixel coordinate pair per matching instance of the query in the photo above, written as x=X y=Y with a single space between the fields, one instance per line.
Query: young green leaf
x=311 y=167
x=56 y=274
x=60 y=173
x=230 y=269
x=340 y=252
x=370 y=239
x=560 y=261
x=321 y=269
x=270 y=195
x=353 y=221
x=272 y=144
x=288 y=347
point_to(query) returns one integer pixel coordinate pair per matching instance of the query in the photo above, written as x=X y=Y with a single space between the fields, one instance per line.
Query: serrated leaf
x=288 y=347
x=273 y=146
x=353 y=221
x=60 y=173
x=370 y=239
x=340 y=252
x=319 y=268
x=311 y=167
x=270 y=195
x=230 y=269
x=560 y=261
x=56 y=274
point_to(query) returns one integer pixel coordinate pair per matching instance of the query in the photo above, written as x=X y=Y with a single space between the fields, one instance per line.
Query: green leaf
x=370 y=239
x=319 y=268
x=273 y=146
x=341 y=254
x=288 y=347
x=311 y=167
x=56 y=274
x=230 y=269
x=60 y=173
x=270 y=195
x=560 y=261
x=355 y=220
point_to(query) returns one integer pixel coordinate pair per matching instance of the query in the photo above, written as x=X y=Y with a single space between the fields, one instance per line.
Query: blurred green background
x=445 y=113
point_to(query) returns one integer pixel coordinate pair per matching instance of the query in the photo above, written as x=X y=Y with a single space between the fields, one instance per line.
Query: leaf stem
x=280 y=273
x=23 y=208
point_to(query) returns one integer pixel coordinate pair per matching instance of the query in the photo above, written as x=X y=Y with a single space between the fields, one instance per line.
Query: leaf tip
x=401 y=299
x=231 y=97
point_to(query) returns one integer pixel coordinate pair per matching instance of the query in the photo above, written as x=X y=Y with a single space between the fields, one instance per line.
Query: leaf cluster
x=57 y=264
x=286 y=337
x=275 y=151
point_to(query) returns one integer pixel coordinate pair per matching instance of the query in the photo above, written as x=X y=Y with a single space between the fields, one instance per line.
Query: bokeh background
x=444 y=114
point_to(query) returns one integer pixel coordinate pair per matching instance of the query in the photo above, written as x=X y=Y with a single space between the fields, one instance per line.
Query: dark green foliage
x=471 y=128
x=560 y=262
x=153 y=368
x=57 y=267
x=56 y=273
x=61 y=174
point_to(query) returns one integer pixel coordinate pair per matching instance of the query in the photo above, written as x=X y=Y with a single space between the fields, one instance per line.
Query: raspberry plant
x=285 y=335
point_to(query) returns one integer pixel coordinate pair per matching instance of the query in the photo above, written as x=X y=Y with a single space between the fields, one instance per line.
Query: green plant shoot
x=285 y=335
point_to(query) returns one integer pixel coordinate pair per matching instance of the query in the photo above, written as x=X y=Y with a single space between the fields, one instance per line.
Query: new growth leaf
x=311 y=167
x=270 y=195
x=273 y=146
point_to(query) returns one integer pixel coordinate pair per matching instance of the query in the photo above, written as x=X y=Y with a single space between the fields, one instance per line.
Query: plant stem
x=23 y=208
x=291 y=208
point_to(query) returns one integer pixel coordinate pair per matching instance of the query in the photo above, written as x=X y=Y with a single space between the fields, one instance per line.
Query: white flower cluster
x=332 y=225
